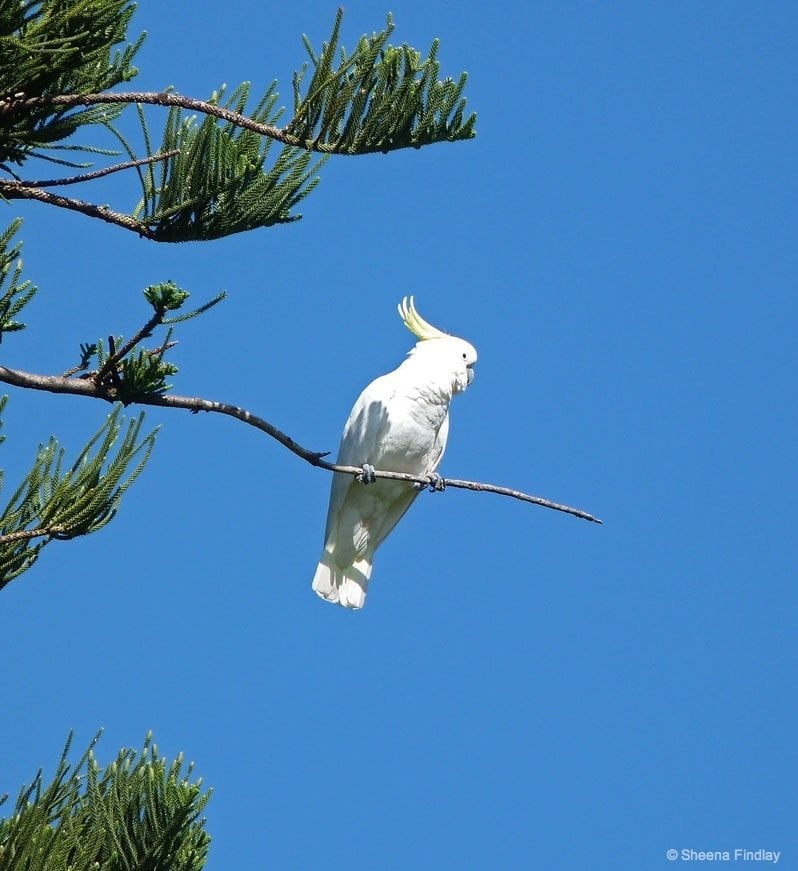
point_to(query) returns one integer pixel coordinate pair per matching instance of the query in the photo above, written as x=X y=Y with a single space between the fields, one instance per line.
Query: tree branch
x=116 y=356
x=86 y=387
x=97 y=173
x=167 y=99
x=13 y=190
x=27 y=534
x=21 y=102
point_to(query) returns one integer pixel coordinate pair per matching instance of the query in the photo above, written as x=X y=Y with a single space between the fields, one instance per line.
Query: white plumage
x=399 y=423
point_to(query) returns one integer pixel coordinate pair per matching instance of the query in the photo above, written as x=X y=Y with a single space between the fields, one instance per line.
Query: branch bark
x=14 y=190
x=28 y=534
x=86 y=386
x=169 y=100
x=97 y=173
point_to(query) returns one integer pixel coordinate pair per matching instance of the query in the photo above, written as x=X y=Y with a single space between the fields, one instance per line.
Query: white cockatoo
x=399 y=423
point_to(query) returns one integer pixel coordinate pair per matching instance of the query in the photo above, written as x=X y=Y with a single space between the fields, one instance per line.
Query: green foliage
x=220 y=182
x=52 y=503
x=129 y=373
x=56 y=47
x=187 y=316
x=19 y=293
x=57 y=503
x=165 y=297
x=217 y=176
x=380 y=98
x=145 y=372
x=140 y=812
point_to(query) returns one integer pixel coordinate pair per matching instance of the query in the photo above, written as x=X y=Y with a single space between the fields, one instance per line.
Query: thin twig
x=87 y=387
x=112 y=374
x=97 y=173
x=15 y=191
x=154 y=352
x=115 y=356
x=83 y=367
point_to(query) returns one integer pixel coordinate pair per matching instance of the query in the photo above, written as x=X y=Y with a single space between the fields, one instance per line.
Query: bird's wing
x=440 y=444
x=365 y=517
x=363 y=434
x=394 y=512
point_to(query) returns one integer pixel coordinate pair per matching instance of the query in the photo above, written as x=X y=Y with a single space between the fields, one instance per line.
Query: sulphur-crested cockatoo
x=399 y=423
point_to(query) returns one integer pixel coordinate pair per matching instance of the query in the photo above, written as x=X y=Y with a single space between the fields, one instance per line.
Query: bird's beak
x=470 y=373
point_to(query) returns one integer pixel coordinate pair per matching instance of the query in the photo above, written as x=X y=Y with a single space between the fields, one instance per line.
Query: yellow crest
x=415 y=323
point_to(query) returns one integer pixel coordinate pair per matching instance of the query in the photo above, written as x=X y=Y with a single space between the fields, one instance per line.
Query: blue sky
x=523 y=689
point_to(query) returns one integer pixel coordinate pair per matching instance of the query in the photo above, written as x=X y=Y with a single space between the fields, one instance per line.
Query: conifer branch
x=56 y=503
x=140 y=811
x=87 y=387
x=216 y=176
x=170 y=99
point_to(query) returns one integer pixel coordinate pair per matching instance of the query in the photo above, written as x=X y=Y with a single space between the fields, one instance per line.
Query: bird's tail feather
x=343 y=586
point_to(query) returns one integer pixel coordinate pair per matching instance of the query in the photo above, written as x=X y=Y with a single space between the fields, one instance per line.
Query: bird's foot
x=368 y=475
x=436 y=483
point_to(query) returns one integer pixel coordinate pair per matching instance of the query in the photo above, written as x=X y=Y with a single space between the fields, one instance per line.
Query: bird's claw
x=436 y=483
x=368 y=475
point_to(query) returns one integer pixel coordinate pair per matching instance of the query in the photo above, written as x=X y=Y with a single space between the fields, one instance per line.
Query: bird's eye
x=464 y=355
